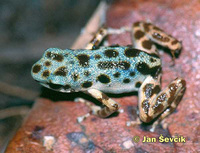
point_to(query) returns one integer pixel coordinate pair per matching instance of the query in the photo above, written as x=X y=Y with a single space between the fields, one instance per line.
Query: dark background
x=27 y=29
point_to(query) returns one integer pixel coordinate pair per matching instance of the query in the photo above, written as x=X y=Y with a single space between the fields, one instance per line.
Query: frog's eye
x=111 y=53
x=54 y=56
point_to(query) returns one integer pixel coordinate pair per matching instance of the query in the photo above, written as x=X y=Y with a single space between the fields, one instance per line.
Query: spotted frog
x=116 y=69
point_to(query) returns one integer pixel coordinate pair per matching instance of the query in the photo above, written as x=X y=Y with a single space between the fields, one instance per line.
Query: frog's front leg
x=153 y=102
x=102 y=33
x=98 y=37
x=110 y=105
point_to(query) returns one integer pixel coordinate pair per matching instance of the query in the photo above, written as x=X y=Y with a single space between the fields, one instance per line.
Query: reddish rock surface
x=58 y=119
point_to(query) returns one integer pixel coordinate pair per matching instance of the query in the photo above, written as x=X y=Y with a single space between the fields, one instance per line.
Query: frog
x=96 y=70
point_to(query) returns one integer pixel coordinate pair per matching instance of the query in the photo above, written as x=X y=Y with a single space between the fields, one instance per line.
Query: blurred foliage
x=28 y=19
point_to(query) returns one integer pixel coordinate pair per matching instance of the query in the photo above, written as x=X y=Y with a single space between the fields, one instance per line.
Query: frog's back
x=109 y=69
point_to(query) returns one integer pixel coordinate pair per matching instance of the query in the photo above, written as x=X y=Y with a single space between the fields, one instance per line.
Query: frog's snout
x=36 y=68
x=38 y=73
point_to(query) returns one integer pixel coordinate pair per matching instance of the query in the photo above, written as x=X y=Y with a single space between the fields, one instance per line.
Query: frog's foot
x=134 y=123
x=91 y=106
x=153 y=102
x=82 y=118
x=118 y=31
x=154 y=125
x=161 y=120
x=81 y=100
x=168 y=111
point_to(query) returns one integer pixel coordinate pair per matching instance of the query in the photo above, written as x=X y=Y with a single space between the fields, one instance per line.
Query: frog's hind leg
x=141 y=41
x=146 y=33
x=147 y=92
x=169 y=110
x=153 y=102
x=162 y=38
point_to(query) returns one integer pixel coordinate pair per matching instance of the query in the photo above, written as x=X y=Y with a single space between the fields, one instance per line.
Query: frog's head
x=53 y=69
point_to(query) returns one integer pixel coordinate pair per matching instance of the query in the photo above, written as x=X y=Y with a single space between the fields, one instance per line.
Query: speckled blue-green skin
x=116 y=85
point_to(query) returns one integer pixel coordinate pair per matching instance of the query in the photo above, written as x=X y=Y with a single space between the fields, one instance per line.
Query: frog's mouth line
x=57 y=87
